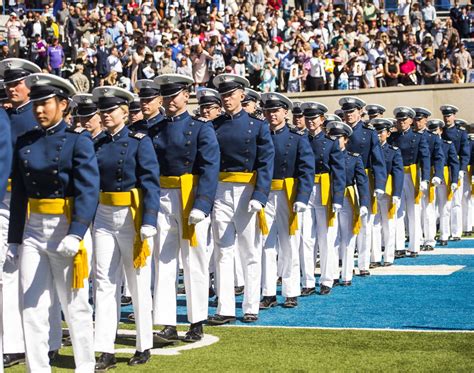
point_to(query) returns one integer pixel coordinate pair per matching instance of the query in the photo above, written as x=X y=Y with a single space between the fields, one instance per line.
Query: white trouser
x=466 y=204
x=125 y=290
x=235 y=230
x=114 y=234
x=279 y=243
x=195 y=262
x=364 y=243
x=412 y=211
x=384 y=230
x=444 y=210
x=428 y=220
x=324 y=237
x=456 y=212
x=307 y=247
x=42 y=270
x=239 y=271
x=346 y=241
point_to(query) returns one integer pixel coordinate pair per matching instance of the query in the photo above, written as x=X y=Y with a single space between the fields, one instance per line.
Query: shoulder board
x=354 y=154
x=136 y=135
x=447 y=141
x=297 y=131
x=462 y=128
x=368 y=126
x=201 y=119
x=393 y=147
x=259 y=117
x=77 y=130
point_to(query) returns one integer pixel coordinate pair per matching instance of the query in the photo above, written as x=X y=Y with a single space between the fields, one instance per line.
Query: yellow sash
x=373 y=200
x=289 y=186
x=413 y=171
x=133 y=199
x=60 y=206
x=9 y=185
x=186 y=183
x=469 y=175
x=350 y=194
x=392 y=208
x=246 y=178
x=447 y=180
x=326 y=199
x=431 y=195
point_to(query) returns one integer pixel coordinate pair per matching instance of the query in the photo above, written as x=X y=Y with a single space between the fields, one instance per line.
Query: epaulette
x=462 y=128
x=136 y=135
x=354 y=154
x=256 y=116
x=448 y=141
x=201 y=119
x=393 y=147
x=77 y=130
x=368 y=126
x=297 y=131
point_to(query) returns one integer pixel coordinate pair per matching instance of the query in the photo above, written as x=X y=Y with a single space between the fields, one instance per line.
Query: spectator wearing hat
x=429 y=67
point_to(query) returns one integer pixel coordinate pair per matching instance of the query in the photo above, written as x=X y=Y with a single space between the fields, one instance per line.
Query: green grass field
x=246 y=349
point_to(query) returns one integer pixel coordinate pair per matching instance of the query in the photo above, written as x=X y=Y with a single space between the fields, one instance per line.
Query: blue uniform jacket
x=54 y=163
x=355 y=175
x=394 y=164
x=22 y=120
x=186 y=145
x=414 y=149
x=451 y=160
x=246 y=146
x=328 y=158
x=144 y=125
x=5 y=152
x=294 y=158
x=98 y=137
x=126 y=161
x=461 y=143
x=364 y=141
x=471 y=161
x=435 y=145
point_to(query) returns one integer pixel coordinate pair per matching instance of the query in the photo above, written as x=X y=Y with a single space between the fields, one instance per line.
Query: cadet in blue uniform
x=325 y=201
x=209 y=101
x=445 y=191
x=293 y=180
x=88 y=116
x=134 y=111
x=384 y=231
x=364 y=141
x=374 y=111
x=150 y=104
x=250 y=103
x=55 y=173
x=458 y=136
x=356 y=202
x=297 y=122
x=417 y=163
x=188 y=154
x=246 y=170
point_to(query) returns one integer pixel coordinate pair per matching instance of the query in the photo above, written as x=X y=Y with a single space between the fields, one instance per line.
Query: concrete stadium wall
x=430 y=97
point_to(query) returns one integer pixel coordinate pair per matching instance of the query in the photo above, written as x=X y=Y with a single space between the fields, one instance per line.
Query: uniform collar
x=22 y=108
x=98 y=135
x=55 y=128
x=384 y=145
x=280 y=130
x=178 y=118
x=123 y=131
x=236 y=116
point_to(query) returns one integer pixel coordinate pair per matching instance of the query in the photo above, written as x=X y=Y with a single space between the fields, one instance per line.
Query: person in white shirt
x=113 y=61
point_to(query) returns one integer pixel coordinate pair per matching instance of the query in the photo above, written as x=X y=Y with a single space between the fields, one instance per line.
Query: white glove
x=147 y=231
x=436 y=181
x=363 y=211
x=69 y=246
x=461 y=174
x=454 y=186
x=299 y=207
x=12 y=253
x=396 y=201
x=196 y=216
x=379 y=193
x=336 y=207
x=255 y=206
x=424 y=186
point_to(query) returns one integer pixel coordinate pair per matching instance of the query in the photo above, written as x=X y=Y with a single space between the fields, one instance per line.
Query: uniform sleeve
x=454 y=164
x=338 y=173
x=362 y=182
x=464 y=151
x=424 y=158
x=398 y=173
x=5 y=152
x=438 y=158
x=86 y=184
x=304 y=170
x=148 y=175
x=208 y=160
x=265 y=157
x=377 y=161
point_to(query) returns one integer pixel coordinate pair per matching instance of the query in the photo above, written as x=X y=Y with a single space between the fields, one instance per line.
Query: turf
x=242 y=349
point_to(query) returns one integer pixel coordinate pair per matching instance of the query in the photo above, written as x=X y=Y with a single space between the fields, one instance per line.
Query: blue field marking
x=384 y=302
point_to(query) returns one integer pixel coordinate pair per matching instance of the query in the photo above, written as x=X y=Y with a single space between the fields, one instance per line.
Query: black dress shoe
x=139 y=358
x=10 y=360
x=413 y=254
x=239 y=290
x=125 y=301
x=105 y=362
x=428 y=248
x=335 y=282
x=167 y=335
x=400 y=254
x=268 y=302
x=422 y=248
x=307 y=291
x=455 y=238
x=290 y=302
x=249 y=317
x=442 y=243
x=324 y=290
x=346 y=283
x=195 y=333
x=375 y=265
x=364 y=273
x=212 y=293
x=220 y=320
x=387 y=264
x=53 y=355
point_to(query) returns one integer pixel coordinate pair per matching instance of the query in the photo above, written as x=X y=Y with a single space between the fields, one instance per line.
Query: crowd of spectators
x=313 y=45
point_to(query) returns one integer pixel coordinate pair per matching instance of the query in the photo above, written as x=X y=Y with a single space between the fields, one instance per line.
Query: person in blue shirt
x=446 y=190
x=246 y=171
x=292 y=184
x=458 y=136
x=55 y=176
x=417 y=164
x=326 y=199
x=150 y=104
x=188 y=154
x=384 y=231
